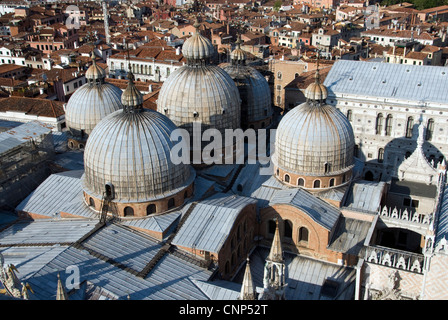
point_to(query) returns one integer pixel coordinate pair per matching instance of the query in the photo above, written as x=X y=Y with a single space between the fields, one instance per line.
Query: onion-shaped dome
x=131 y=96
x=197 y=48
x=316 y=91
x=130 y=151
x=238 y=56
x=91 y=102
x=254 y=90
x=95 y=72
x=200 y=92
x=314 y=139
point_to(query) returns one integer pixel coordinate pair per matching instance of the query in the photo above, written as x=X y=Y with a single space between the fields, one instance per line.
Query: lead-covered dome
x=255 y=94
x=91 y=102
x=200 y=92
x=130 y=151
x=314 y=144
x=197 y=47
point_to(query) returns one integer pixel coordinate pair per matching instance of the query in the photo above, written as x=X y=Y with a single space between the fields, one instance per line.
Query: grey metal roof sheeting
x=256 y=185
x=46 y=231
x=22 y=134
x=320 y=211
x=219 y=289
x=159 y=223
x=210 y=222
x=169 y=280
x=349 y=235
x=124 y=246
x=30 y=259
x=59 y=192
x=388 y=80
x=364 y=196
x=305 y=276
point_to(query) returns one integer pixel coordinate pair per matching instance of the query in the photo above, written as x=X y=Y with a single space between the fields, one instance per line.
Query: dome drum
x=313 y=182
x=141 y=209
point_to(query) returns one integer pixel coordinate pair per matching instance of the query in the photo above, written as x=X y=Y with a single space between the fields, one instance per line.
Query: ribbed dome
x=131 y=151
x=238 y=55
x=254 y=91
x=316 y=90
x=197 y=47
x=90 y=103
x=95 y=72
x=205 y=94
x=131 y=96
x=314 y=140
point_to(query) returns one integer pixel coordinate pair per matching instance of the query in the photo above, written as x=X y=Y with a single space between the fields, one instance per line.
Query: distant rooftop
x=422 y=84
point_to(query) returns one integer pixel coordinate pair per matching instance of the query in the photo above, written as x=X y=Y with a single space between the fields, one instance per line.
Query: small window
x=287 y=178
x=332 y=182
x=288 y=229
x=316 y=184
x=171 y=203
x=301 y=182
x=380 y=155
x=409 y=126
x=128 y=212
x=429 y=129
x=303 y=234
x=150 y=209
x=349 y=115
x=91 y=203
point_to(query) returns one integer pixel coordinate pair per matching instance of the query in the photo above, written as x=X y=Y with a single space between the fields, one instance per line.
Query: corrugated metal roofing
x=59 y=192
x=349 y=236
x=46 y=231
x=124 y=246
x=365 y=196
x=210 y=222
x=159 y=223
x=305 y=276
x=388 y=80
x=21 y=134
x=319 y=210
x=169 y=280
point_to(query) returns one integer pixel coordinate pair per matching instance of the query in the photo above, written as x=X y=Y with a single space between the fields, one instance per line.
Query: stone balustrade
x=394 y=258
x=406 y=215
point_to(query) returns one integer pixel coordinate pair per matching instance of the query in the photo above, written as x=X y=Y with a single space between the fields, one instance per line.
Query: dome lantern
x=198 y=50
x=132 y=98
x=95 y=74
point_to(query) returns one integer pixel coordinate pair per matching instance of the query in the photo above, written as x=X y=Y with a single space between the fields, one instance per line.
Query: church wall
x=237 y=245
x=239 y=242
x=318 y=236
